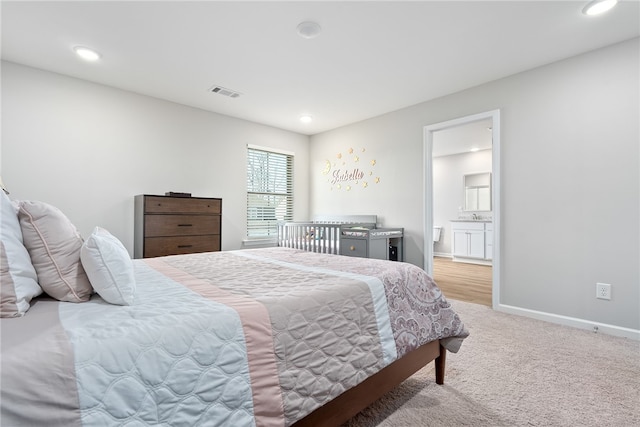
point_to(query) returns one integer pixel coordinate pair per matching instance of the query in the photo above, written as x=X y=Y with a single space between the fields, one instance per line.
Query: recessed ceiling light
x=597 y=7
x=306 y=118
x=474 y=149
x=86 y=53
x=308 y=29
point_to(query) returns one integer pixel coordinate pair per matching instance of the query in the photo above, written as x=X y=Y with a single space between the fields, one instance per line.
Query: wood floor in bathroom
x=462 y=281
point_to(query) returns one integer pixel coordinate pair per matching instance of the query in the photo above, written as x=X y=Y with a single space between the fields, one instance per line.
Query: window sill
x=254 y=243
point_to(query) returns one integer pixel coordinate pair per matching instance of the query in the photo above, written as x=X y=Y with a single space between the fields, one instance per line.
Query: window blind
x=269 y=191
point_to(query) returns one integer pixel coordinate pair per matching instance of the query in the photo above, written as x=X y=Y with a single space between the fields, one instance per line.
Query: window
x=269 y=191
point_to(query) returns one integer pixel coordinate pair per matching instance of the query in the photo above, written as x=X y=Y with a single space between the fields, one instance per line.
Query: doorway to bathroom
x=462 y=206
x=463 y=281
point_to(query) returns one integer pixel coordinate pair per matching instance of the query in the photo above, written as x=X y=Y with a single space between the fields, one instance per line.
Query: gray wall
x=570 y=161
x=89 y=149
x=570 y=182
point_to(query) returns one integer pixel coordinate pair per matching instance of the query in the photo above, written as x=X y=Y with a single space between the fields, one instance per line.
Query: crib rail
x=321 y=235
x=310 y=236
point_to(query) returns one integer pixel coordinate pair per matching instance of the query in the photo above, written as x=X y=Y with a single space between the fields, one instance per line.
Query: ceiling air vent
x=225 y=92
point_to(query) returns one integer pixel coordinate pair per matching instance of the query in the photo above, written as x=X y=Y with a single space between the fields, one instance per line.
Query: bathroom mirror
x=477 y=191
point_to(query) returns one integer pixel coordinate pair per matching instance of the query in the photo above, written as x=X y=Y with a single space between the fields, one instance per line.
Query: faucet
x=474 y=216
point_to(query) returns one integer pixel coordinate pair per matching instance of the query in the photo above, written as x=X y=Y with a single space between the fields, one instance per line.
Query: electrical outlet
x=603 y=291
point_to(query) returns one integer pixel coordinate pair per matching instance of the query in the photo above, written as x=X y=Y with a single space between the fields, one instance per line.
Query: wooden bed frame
x=323 y=235
x=354 y=400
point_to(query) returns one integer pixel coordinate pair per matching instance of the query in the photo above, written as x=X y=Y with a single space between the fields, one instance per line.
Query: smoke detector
x=225 y=92
x=308 y=29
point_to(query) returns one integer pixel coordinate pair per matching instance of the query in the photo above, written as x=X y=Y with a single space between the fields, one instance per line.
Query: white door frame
x=494 y=115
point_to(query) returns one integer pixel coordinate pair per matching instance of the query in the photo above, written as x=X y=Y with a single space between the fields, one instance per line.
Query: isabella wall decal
x=350 y=171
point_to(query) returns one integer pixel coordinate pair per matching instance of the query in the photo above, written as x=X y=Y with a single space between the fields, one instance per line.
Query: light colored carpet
x=516 y=371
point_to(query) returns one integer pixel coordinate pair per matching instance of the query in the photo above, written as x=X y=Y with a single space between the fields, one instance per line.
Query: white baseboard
x=443 y=254
x=589 y=325
x=462 y=260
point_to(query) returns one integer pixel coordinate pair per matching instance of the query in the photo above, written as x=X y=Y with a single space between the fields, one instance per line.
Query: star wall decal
x=327 y=167
x=345 y=171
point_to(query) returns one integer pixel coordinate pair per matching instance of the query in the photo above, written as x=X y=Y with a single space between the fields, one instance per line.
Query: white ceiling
x=370 y=58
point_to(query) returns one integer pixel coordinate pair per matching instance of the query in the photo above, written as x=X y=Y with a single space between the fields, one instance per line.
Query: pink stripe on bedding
x=37 y=370
x=265 y=386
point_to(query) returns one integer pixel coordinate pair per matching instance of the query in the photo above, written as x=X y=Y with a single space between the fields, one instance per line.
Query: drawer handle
x=352 y=248
x=185 y=246
x=185 y=225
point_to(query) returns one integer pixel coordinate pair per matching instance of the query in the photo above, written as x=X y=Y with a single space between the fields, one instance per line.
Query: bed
x=266 y=337
x=322 y=234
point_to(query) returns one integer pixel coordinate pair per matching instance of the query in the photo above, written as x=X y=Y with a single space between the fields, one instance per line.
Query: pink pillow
x=54 y=245
x=18 y=280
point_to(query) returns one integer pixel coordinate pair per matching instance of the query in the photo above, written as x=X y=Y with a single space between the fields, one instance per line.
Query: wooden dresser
x=166 y=225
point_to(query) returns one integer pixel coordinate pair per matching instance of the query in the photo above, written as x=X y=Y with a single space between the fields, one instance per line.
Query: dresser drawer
x=180 y=225
x=183 y=205
x=161 y=246
x=353 y=247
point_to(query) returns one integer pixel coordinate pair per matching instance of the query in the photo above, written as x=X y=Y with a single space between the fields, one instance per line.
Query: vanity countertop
x=471 y=220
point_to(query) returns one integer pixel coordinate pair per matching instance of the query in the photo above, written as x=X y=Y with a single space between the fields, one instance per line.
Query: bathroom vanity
x=472 y=241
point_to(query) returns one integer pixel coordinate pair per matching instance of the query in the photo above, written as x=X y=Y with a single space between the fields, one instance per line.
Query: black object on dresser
x=166 y=225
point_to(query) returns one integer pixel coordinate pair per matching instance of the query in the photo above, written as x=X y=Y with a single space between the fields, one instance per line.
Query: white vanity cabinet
x=471 y=241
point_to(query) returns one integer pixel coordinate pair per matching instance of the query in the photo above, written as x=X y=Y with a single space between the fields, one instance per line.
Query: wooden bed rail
x=354 y=400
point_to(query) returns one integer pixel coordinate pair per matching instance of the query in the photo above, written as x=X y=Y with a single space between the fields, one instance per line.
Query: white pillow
x=109 y=267
x=18 y=279
x=54 y=245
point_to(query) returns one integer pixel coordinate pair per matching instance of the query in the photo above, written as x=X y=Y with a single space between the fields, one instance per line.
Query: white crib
x=321 y=235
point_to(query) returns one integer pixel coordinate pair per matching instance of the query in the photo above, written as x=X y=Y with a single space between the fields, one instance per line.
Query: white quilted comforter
x=242 y=338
